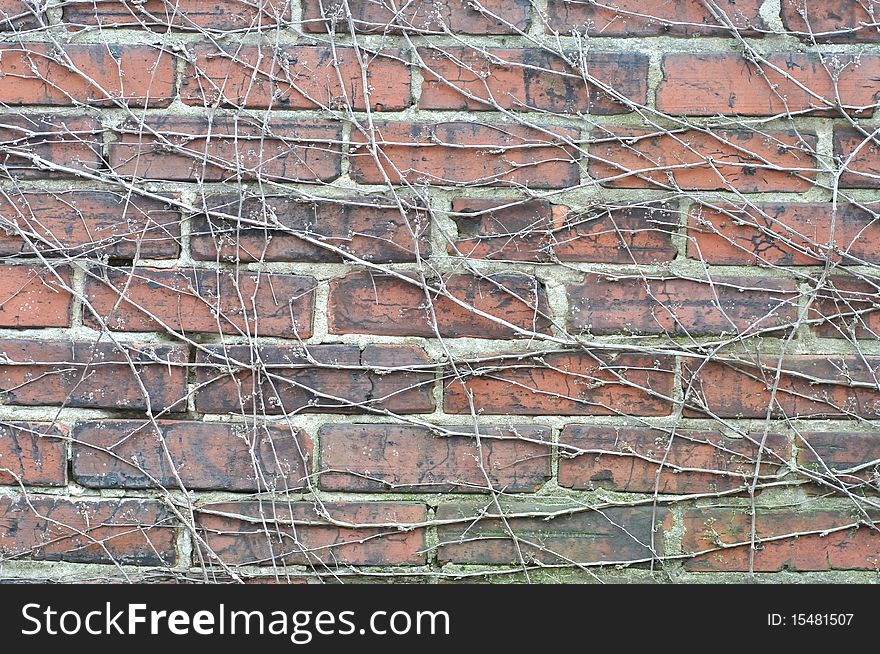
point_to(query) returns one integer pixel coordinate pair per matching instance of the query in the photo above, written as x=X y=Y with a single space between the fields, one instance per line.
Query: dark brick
x=328 y=378
x=535 y=230
x=532 y=80
x=204 y=455
x=459 y=16
x=255 y=532
x=51 y=528
x=674 y=306
x=282 y=228
x=576 y=535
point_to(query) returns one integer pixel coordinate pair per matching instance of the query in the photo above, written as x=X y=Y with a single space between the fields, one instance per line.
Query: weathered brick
x=668 y=18
x=563 y=383
x=193 y=300
x=532 y=80
x=412 y=459
x=831 y=20
x=574 y=535
x=384 y=304
x=190 y=15
x=96 y=375
x=535 y=230
x=187 y=148
x=282 y=228
x=52 y=528
x=846 y=306
x=34 y=143
x=295 y=77
x=803 y=541
x=203 y=455
x=469 y=154
x=102 y=75
x=354 y=534
x=323 y=378
x=17 y=14
x=385 y=16
x=35 y=296
x=810 y=386
x=642 y=460
x=708 y=84
x=90 y=223
x=33 y=454
x=860 y=154
x=848 y=457
x=645 y=305
x=783 y=234
x=742 y=160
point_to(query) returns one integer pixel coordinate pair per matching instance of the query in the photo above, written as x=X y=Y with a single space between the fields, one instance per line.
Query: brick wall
x=544 y=290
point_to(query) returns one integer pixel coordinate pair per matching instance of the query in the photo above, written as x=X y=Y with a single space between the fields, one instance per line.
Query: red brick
x=275 y=228
x=708 y=84
x=94 y=375
x=185 y=148
x=458 y=16
x=846 y=306
x=747 y=161
x=576 y=383
x=33 y=144
x=642 y=460
x=400 y=458
x=851 y=458
x=52 y=528
x=535 y=230
x=831 y=20
x=204 y=455
x=574 y=535
x=295 y=77
x=531 y=80
x=326 y=378
x=241 y=533
x=667 y=18
x=102 y=75
x=190 y=15
x=16 y=15
x=210 y=301
x=827 y=547
x=469 y=154
x=783 y=234
x=32 y=296
x=33 y=454
x=860 y=154
x=368 y=303
x=811 y=386
x=603 y=304
x=93 y=223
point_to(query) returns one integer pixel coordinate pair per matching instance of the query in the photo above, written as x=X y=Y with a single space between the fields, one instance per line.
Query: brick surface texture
x=523 y=290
